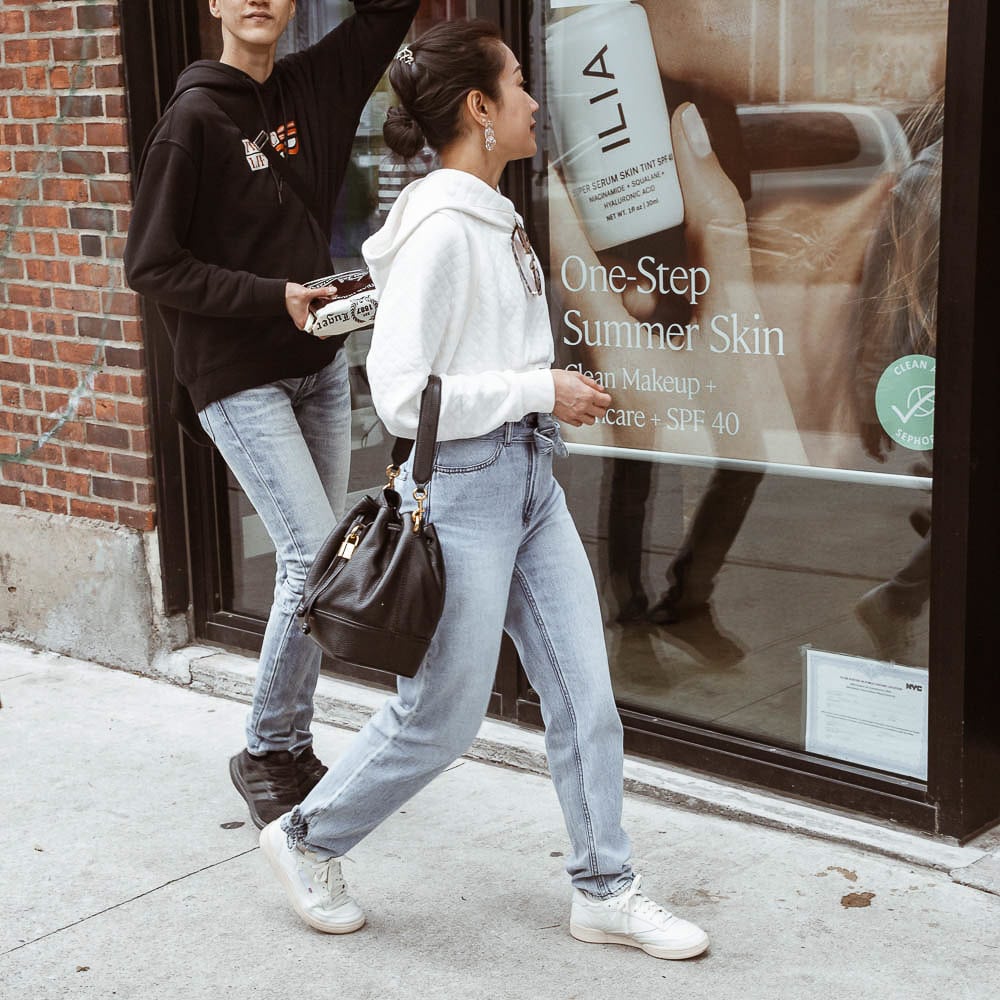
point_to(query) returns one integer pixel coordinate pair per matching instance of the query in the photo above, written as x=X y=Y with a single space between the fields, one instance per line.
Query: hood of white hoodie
x=443 y=190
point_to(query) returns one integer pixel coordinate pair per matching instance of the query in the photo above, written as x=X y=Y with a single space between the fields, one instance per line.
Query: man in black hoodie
x=224 y=244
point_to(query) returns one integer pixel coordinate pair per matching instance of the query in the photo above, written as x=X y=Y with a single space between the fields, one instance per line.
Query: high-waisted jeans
x=514 y=562
x=289 y=445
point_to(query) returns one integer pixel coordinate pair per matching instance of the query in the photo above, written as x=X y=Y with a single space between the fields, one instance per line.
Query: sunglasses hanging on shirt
x=526 y=260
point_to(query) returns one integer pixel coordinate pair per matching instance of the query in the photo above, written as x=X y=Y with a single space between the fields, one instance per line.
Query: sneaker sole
x=270 y=850
x=591 y=935
x=258 y=821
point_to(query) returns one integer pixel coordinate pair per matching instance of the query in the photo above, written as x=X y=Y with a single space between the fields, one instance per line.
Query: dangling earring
x=490 y=136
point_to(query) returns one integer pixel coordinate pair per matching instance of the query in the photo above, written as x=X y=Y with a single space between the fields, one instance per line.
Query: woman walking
x=461 y=296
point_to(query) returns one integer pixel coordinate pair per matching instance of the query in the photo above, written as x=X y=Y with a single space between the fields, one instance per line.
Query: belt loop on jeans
x=508 y=433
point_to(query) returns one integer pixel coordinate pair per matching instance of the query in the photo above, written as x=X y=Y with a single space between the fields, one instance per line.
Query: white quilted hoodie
x=452 y=303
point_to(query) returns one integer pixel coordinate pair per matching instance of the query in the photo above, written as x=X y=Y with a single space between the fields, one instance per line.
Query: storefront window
x=742 y=203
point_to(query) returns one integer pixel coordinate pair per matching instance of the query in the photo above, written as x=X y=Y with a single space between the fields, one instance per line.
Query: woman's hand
x=298 y=299
x=579 y=399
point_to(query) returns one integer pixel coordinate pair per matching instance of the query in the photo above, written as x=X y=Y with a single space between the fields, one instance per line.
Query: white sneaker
x=315 y=887
x=633 y=919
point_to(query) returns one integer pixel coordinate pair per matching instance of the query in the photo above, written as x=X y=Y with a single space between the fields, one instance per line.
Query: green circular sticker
x=904 y=401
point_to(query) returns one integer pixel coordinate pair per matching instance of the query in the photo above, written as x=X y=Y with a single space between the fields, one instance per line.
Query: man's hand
x=298 y=300
x=579 y=399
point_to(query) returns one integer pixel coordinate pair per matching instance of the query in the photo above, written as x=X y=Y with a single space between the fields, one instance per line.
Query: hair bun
x=402 y=133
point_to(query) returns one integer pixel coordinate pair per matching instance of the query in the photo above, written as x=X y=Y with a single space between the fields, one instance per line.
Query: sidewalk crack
x=125 y=902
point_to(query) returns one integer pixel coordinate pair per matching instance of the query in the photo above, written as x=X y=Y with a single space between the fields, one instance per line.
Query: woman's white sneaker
x=632 y=919
x=315 y=887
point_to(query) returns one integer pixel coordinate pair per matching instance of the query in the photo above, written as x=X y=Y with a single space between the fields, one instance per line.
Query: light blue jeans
x=514 y=562
x=289 y=444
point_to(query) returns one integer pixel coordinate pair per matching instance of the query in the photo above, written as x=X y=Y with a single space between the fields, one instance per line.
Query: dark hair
x=450 y=60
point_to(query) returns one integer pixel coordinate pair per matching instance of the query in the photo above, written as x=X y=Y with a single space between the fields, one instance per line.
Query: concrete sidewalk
x=129 y=869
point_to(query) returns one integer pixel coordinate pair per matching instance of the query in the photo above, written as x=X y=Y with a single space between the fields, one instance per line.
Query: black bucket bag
x=375 y=593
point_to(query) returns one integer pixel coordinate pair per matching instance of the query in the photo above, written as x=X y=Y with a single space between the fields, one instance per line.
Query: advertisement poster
x=743 y=217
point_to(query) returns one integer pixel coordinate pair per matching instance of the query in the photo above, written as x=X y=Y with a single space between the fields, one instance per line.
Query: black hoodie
x=215 y=235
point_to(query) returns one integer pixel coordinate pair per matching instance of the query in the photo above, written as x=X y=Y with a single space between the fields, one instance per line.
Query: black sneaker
x=310 y=769
x=270 y=784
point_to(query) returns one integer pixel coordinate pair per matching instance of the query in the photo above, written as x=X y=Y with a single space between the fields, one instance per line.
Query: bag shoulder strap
x=427 y=426
x=261 y=138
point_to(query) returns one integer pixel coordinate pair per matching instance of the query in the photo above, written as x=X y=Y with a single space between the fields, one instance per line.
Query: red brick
x=22 y=472
x=119 y=303
x=60 y=135
x=115 y=247
x=44 y=455
x=10 y=395
x=68 y=482
x=77 y=300
x=52 y=324
x=19 y=423
x=36 y=78
x=113 y=192
x=115 y=385
x=97 y=275
x=76 y=49
x=10 y=372
x=37 y=161
x=142 y=442
x=143 y=520
x=113 y=489
x=105 y=133
x=31 y=347
x=20 y=242
x=110 y=46
x=60 y=378
x=95 y=511
x=45 y=243
x=19 y=188
x=33 y=107
x=11 y=269
x=59 y=78
x=99 y=328
x=107 y=77
x=45 y=217
x=92 y=218
x=114 y=106
x=54 y=402
x=107 y=436
x=82 y=161
x=13 y=319
x=20 y=135
x=26 y=50
x=82 y=458
x=69 y=244
x=133 y=413
x=118 y=162
x=10 y=495
x=8 y=445
x=10 y=79
x=81 y=106
x=137 y=386
x=97 y=15
x=125 y=357
x=105 y=409
x=133 y=466
x=43 y=21
x=11 y=23
x=71 y=430
x=145 y=493
x=32 y=399
x=76 y=353
x=64 y=189
x=132 y=331
x=49 y=270
x=45 y=501
x=28 y=295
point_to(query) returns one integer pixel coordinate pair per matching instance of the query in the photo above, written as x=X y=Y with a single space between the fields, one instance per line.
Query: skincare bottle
x=612 y=128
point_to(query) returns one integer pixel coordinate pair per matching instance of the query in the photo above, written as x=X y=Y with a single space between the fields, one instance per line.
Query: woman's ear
x=475 y=106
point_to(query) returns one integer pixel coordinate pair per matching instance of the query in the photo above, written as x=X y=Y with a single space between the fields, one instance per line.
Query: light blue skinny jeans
x=513 y=561
x=289 y=445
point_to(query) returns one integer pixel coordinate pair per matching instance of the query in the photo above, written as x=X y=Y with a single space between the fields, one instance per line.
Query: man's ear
x=213 y=8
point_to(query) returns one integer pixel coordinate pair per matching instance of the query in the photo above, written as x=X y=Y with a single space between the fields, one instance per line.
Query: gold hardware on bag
x=350 y=543
x=392 y=471
x=418 y=515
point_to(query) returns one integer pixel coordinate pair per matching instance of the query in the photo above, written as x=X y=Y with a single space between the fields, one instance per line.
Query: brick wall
x=74 y=414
